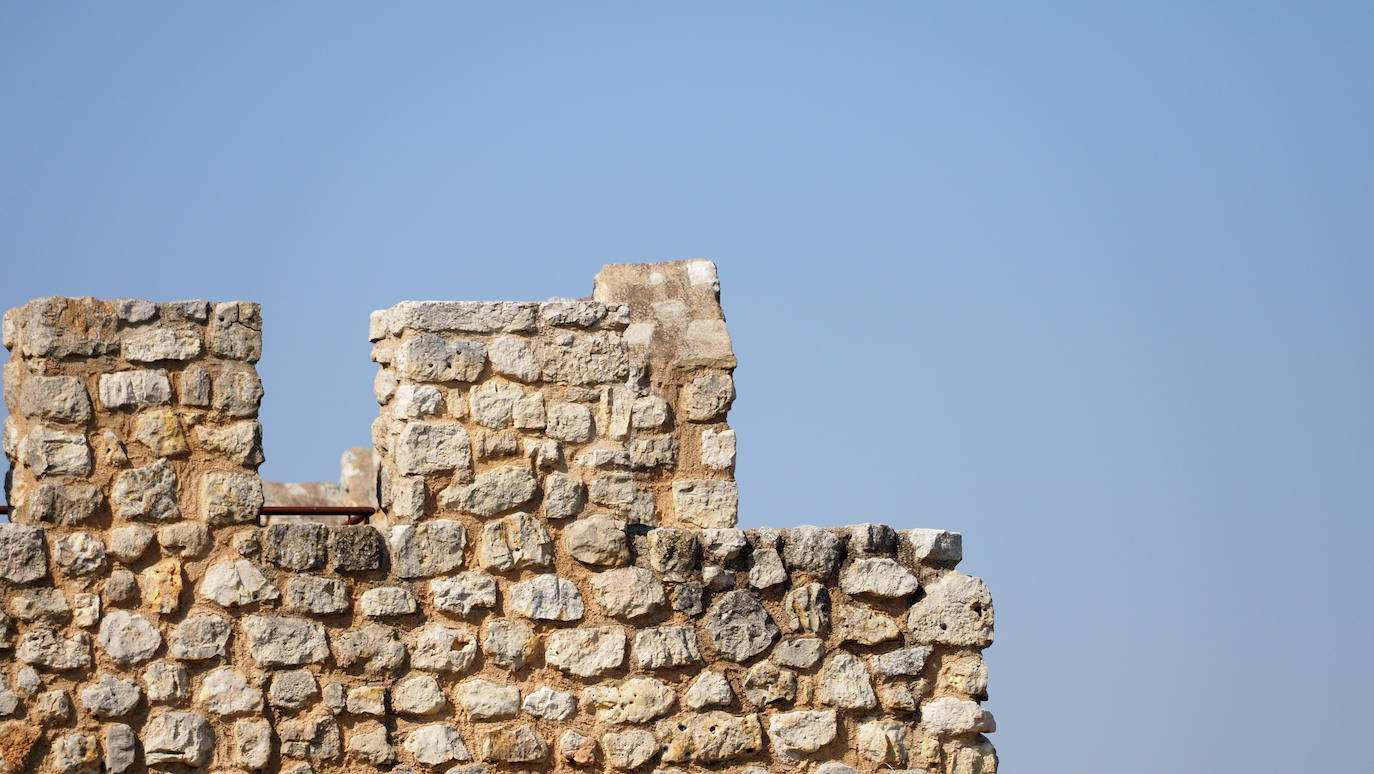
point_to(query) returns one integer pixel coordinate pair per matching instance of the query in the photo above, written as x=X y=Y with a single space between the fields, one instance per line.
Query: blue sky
x=1087 y=282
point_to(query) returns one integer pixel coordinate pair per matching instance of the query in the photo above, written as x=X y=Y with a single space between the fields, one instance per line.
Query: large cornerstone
x=554 y=581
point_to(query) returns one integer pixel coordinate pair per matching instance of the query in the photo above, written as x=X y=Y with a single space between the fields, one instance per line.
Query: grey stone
x=707 y=397
x=75 y=753
x=280 y=641
x=871 y=539
x=590 y=358
x=436 y=744
x=509 y=644
x=442 y=648
x=934 y=545
x=882 y=741
x=812 y=550
x=226 y=691
x=459 y=316
x=548 y=704
x=312 y=738
x=569 y=422
x=571 y=312
x=587 y=651
x=718 y=449
x=636 y=700
x=121 y=748
x=804 y=731
x=650 y=453
x=60 y=398
x=484 y=700
x=431 y=358
x=46 y=648
x=738 y=626
x=948 y=716
x=234 y=584
x=493 y=404
x=528 y=413
x=134 y=310
x=235 y=330
x=649 y=413
x=202 y=636
x=51 y=707
x=47 y=605
x=110 y=697
x=79 y=553
x=428 y=447
x=355 y=548
x=711 y=737
x=613 y=490
x=492 y=492
x=465 y=593
x=710 y=689
x=178 y=738
x=767 y=683
x=806 y=608
x=546 y=598
x=368 y=741
x=854 y=623
x=153 y=344
x=293 y=689
x=252 y=740
x=63 y=504
x=149 y=492
x=415 y=401
x=903 y=661
x=426 y=549
x=165 y=681
x=128 y=544
x=238 y=442
x=386 y=601
x=516 y=541
x=629 y=749
x=193 y=387
x=189 y=539
x=564 y=496
x=597 y=540
x=705 y=502
x=628 y=592
x=128 y=638
x=231 y=498
x=765 y=569
x=801 y=653
x=48 y=451
x=512 y=356
x=417 y=694
x=134 y=388
x=879 y=577
x=674 y=553
x=844 y=682
x=578 y=749
x=956 y=610
x=121 y=588
x=374 y=645
x=22 y=555
x=666 y=647
x=237 y=393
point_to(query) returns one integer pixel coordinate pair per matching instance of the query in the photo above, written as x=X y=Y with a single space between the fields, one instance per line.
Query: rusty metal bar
x=357 y=514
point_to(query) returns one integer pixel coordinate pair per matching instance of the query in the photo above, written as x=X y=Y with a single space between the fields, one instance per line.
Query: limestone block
x=801 y=732
x=546 y=703
x=147 y=492
x=202 y=636
x=124 y=389
x=956 y=610
x=175 y=737
x=166 y=682
x=878 y=577
x=227 y=692
x=518 y=744
x=59 y=398
x=387 y=601
x=436 y=744
x=711 y=737
x=492 y=492
x=109 y=697
x=429 y=447
x=844 y=682
x=150 y=345
x=427 y=549
x=234 y=584
x=49 y=451
x=597 y=540
x=705 y=502
x=128 y=638
x=738 y=627
x=516 y=541
x=586 y=652
x=484 y=700
x=509 y=643
x=767 y=683
x=666 y=647
x=546 y=598
x=295 y=546
x=417 y=695
x=708 y=397
x=636 y=700
x=281 y=641
x=23 y=558
x=316 y=595
x=79 y=553
x=374 y=646
x=235 y=330
x=628 y=592
x=629 y=749
x=440 y=648
x=121 y=748
x=709 y=689
x=231 y=498
x=948 y=716
x=463 y=594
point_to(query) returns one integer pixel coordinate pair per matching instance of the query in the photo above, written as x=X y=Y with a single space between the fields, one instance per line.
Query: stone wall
x=554 y=582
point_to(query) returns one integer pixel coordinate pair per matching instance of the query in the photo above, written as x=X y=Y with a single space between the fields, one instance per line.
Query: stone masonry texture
x=553 y=581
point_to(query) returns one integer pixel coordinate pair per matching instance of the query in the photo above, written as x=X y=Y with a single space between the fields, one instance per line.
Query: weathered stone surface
x=718 y=449
x=801 y=653
x=883 y=741
x=577 y=749
x=597 y=540
x=252 y=740
x=293 y=689
x=569 y=422
x=200 y=637
x=738 y=627
x=855 y=623
x=516 y=541
x=844 y=682
x=546 y=598
x=312 y=738
x=492 y=492
x=711 y=737
x=231 y=498
x=628 y=592
x=237 y=393
x=109 y=697
x=280 y=641
x=51 y=708
x=128 y=638
x=63 y=504
x=442 y=648
x=636 y=700
x=178 y=738
x=430 y=358
x=427 y=447
x=78 y=553
x=414 y=401
x=666 y=647
x=187 y=539
x=484 y=700
x=591 y=358
x=564 y=496
x=765 y=569
x=128 y=544
x=767 y=683
x=806 y=609
x=674 y=553
x=722 y=545
x=160 y=431
x=706 y=503
x=493 y=404
x=295 y=546
x=707 y=397
x=368 y=741
x=193 y=388
x=316 y=595
x=879 y=577
x=49 y=451
x=121 y=748
x=812 y=550
x=436 y=744
x=512 y=356
x=710 y=689
x=387 y=601
x=586 y=652
x=234 y=584
x=461 y=595
x=134 y=388
x=613 y=490
x=509 y=643
x=226 y=691
x=518 y=744
x=417 y=695
x=801 y=732
x=165 y=681
x=162 y=586
x=374 y=645
x=46 y=605
x=427 y=549
x=355 y=548
x=22 y=555
x=903 y=661
x=934 y=545
x=75 y=753
x=235 y=330
x=629 y=749
x=548 y=704
x=59 y=398
x=146 y=493
x=948 y=716
x=956 y=610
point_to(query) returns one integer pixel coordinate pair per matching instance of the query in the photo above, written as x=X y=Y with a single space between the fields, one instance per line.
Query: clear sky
x=1088 y=282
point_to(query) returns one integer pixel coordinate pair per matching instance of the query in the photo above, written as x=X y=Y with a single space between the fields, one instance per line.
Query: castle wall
x=554 y=581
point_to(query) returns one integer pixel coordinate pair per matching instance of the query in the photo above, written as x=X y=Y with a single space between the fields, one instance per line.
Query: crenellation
x=553 y=581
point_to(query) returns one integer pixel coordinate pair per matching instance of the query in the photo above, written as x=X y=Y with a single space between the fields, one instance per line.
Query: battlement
x=553 y=580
